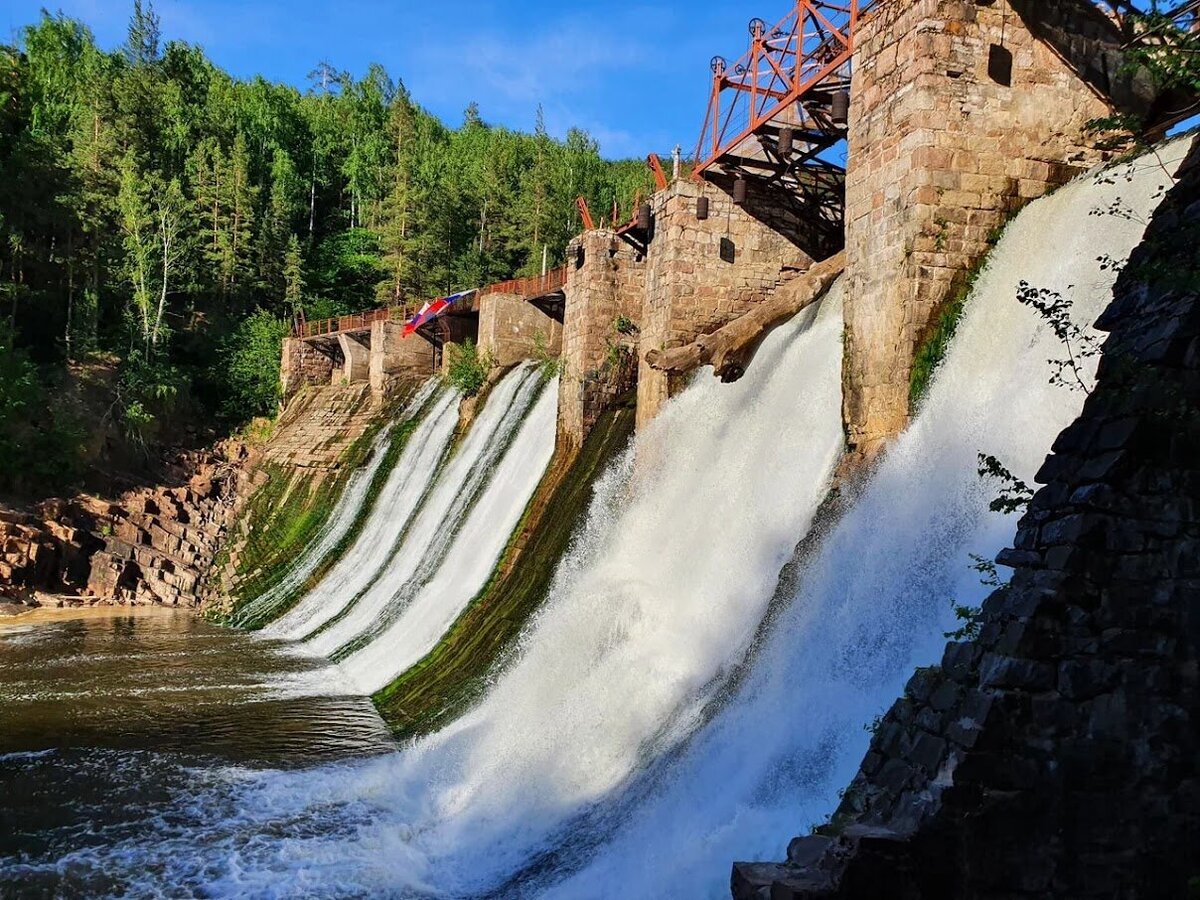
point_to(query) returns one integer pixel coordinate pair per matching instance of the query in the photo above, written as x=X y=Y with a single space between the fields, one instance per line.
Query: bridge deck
x=543 y=291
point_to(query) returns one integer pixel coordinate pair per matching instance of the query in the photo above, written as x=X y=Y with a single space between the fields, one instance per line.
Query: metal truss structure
x=774 y=114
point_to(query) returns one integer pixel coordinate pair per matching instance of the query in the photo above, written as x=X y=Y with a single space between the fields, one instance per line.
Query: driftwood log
x=730 y=349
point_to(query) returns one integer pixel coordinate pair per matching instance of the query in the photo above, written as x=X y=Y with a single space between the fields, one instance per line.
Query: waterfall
x=349 y=507
x=875 y=603
x=469 y=560
x=673 y=708
x=394 y=507
x=420 y=550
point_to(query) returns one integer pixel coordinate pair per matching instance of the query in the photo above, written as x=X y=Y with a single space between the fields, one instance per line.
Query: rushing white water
x=399 y=498
x=616 y=756
x=877 y=600
x=470 y=559
x=420 y=549
x=347 y=509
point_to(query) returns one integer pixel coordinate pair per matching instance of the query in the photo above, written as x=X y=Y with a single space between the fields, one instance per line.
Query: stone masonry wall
x=511 y=329
x=397 y=361
x=605 y=280
x=940 y=155
x=695 y=286
x=320 y=425
x=356 y=358
x=1057 y=754
x=303 y=363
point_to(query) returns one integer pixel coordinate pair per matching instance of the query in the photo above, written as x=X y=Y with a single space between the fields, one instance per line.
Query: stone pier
x=959 y=116
x=379 y=355
x=701 y=274
x=606 y=285
x=396 y=358
x=691 y=277
x=511 y=330
x=356 y=358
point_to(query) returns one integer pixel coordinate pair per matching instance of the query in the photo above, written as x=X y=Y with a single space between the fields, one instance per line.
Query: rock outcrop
x=1058 y=753
x=150 y=545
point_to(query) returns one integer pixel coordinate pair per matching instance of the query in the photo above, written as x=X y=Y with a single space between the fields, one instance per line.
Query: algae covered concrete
x=456 y=672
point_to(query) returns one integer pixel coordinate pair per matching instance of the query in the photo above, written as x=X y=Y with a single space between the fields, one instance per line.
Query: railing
x=537 y=286
x=356 y=322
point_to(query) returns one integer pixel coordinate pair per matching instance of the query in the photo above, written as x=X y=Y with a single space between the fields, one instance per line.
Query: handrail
x=536 y=286
x=354 y=322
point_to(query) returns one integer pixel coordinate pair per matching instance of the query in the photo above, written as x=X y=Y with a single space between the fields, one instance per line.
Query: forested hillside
x=162 y=222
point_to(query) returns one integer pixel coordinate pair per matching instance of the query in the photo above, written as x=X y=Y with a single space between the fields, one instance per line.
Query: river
x=111 y=719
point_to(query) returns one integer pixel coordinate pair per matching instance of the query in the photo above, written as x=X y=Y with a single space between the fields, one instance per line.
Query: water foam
x=346 y=511
x=394 y=508
x=450 y=497
x=469 y=560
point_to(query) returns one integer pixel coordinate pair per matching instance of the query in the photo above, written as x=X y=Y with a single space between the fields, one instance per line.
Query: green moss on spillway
x=456 y=672
x=290 y=511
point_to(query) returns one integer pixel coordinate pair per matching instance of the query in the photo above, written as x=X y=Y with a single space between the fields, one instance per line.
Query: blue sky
x=634 y=74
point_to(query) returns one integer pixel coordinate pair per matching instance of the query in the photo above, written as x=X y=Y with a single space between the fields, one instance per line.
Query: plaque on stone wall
x=728 y=250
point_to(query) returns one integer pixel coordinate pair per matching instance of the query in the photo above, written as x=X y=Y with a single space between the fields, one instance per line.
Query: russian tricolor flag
x=432 y=310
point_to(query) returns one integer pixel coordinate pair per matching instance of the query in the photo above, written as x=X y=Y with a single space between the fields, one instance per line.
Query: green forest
x=162 y=223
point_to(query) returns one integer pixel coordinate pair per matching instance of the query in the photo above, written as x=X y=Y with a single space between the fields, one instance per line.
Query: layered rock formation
x=1058 y=753
x=159 y=544
x=150 y=545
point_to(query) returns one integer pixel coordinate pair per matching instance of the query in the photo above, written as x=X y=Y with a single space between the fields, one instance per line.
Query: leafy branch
x=1015 y=494
x=1080 y=344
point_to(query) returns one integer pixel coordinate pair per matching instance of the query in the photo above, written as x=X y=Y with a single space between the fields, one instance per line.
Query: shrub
x=468 y=368
x=147 y=390
x=40 y=442
x=250 y=367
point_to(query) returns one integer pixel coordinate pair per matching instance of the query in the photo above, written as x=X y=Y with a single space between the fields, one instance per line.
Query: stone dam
x=636 y=606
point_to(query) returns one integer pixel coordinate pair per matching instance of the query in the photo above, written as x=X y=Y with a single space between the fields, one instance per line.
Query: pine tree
x=145 y=34
x=397 y=211
x=240 y=199
x=293 y=277
x=537 y=188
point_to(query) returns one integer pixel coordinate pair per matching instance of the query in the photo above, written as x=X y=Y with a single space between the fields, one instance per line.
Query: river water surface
x=111 y=719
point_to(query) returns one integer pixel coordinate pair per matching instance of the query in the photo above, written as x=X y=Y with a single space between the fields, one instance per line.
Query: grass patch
x=288 y=513
x=933 y=349
x=456 y=672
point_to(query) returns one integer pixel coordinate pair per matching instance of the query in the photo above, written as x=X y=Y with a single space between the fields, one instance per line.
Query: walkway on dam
x=435 y=321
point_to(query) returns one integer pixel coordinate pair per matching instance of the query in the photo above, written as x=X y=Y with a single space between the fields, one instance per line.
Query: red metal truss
x=787 y=77
x=1183 y=12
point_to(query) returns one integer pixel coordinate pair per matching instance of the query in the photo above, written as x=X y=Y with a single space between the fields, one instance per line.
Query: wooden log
x=730 y=349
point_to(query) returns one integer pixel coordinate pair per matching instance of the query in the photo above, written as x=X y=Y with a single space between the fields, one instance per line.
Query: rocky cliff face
x=1058 y=754
x=159 y=544
x=151 y=545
